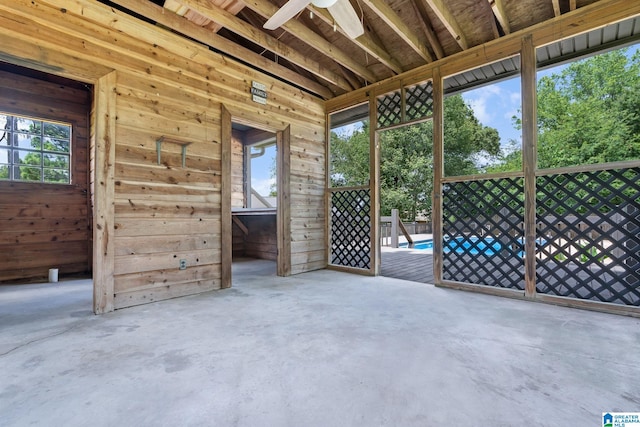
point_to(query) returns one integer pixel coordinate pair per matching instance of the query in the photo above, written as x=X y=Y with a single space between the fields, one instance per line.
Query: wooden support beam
x=529 y=160
x=205 y=36
x=366 y=42
x=226 y=231
x=374 y=186
x=237 y=221
x=267 y=9
x=501 y=15
x=423 y=17
x=382 y=9
x=572 y=5
x=248 y=31
x=438 y=173
x=491 y=17
x=283 y=210
x=104 y=146
x=556 y=7
x=448 y=20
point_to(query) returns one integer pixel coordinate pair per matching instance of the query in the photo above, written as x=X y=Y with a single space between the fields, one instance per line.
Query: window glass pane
x=33 y=150
x=56 y=161
x=5 y=127
x=27 y=158
x=56 y=130
x=264 y=191
x=27 y=141
x=23 y=173
x=58 y=145
x=56 y=175
x=23 y=124
x=4 y=155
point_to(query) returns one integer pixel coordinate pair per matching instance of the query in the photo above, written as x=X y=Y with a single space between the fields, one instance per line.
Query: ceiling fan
x=341 y=10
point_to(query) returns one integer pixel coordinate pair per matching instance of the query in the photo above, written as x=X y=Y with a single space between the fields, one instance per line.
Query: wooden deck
x=407 y=264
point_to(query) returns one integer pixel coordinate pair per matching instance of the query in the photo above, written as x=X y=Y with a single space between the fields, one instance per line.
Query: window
x=261 y=173
x=33 y=150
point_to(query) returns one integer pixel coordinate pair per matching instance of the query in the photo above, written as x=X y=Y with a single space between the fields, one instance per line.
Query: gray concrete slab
x=318 y=349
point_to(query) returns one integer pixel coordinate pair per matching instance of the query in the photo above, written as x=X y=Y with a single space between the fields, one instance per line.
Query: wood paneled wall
x=46 y=226
x=168 y=86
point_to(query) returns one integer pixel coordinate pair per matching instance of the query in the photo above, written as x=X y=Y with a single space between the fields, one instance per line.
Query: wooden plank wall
x=172 y=87
x=261 y=241
x=46 y=225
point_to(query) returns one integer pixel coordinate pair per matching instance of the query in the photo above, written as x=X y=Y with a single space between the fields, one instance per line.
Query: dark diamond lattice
x=389 y=109
x=588 y=233
x=483 y=232
x=351 y=228
x=419 y=101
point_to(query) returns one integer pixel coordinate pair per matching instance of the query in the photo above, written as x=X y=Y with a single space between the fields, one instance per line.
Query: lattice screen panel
x=419 y=101
x=589 y=235
x=483 y=232
x=351 y=228
x=389 y=109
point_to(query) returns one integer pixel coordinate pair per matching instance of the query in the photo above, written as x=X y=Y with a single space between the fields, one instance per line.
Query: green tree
x=588 y=113
x=406 y=170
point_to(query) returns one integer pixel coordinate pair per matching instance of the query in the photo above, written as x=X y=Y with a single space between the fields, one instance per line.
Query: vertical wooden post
x=394 y=228
x=374 y=184
x=438 y=172
x=529 y=161
x=283 y=210
x=327 y=186
x=104 y=193
x=226 y=236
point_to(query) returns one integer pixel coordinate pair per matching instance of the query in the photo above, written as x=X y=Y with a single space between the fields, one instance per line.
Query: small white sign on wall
x=259 y=93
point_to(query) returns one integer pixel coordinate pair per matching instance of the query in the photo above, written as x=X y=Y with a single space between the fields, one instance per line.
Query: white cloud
x=263 y=186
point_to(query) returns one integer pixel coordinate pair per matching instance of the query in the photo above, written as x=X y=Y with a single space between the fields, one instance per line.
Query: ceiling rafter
x=349 y=75
x=447 y=19
x=423 y=25
x=572 y=4
x=248 y=31
x=501 y=15
x=299 y=30
x=556 y=7
x=366 y=42
x=423 y=16
x=203 y=35
x=380 y=8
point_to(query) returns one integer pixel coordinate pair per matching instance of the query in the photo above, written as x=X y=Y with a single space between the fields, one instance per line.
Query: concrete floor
x=318 y=349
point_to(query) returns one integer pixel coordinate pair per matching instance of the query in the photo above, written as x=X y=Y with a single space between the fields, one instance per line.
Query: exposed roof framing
x=501 y=14
x=311 y=53
x=398 y=26
x=449 y=21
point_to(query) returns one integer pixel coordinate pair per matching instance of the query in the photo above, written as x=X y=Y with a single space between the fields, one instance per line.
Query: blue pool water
x=471 y=245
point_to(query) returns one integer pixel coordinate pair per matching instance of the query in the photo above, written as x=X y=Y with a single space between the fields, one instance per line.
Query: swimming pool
x=461 y=245
x=472 y=245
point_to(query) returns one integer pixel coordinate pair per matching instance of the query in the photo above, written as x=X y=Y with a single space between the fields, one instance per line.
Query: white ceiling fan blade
x=347 y=18
x=286 y=12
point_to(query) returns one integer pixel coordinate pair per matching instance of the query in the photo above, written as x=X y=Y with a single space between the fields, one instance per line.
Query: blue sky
x=261 y=179
x=495 y=105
